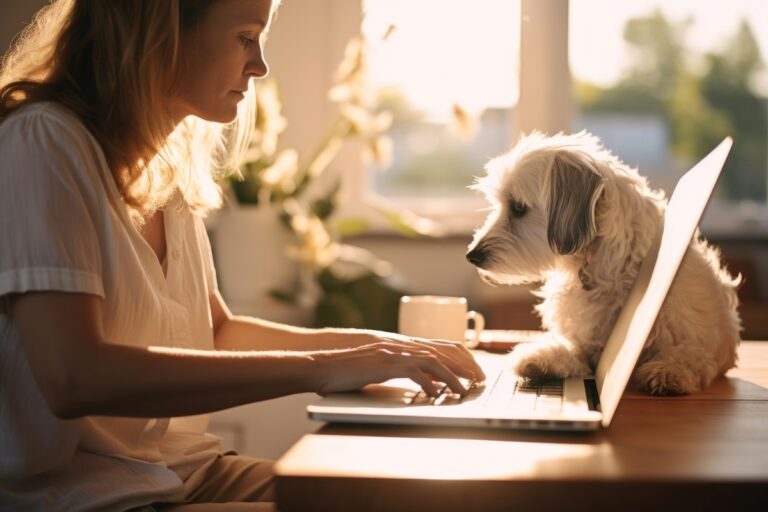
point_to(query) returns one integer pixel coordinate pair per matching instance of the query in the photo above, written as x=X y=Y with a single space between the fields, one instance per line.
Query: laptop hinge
x=593 y=397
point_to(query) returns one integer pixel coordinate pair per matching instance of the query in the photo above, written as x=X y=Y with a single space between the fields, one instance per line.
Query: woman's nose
x=256 y=65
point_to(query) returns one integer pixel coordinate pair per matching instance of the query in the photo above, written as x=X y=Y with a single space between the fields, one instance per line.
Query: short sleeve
x=51 y=197
x=204 y=243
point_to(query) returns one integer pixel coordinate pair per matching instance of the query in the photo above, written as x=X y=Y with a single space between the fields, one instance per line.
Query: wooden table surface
x=707 y=451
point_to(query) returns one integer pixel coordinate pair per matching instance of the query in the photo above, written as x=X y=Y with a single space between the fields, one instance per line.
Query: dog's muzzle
x=477 y=256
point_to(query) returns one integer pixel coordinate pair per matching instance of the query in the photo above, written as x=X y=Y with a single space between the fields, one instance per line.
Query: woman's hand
x=391 y=356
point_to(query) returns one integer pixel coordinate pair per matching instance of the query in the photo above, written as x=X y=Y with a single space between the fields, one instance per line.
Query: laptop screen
x=682 y=215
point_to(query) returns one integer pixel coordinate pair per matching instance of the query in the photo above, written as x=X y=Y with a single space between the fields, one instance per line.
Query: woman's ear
x=573 y=193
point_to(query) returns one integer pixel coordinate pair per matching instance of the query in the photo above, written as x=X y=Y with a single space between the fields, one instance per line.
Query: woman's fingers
x=451 y=363
x=454 y=355
x=424 y=367
x=425 y=364
x=422 y=379
x=462 y=355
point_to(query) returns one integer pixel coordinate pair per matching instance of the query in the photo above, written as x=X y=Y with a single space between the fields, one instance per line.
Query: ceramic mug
x=439 y=317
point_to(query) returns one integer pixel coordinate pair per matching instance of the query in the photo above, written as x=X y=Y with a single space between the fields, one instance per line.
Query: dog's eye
x=517 y=209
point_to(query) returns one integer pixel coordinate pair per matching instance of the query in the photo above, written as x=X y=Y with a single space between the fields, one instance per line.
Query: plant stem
x=340 y=128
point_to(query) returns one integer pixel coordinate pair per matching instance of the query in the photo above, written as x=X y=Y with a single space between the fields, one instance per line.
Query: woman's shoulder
x=36 y=119
x=49 y=129
x=47 y=139
x=43 y=112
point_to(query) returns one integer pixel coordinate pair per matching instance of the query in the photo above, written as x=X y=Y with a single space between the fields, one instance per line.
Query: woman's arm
x=247 y=333
x=80 y=373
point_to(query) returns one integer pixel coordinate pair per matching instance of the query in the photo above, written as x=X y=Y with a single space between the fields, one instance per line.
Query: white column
x=545 y=83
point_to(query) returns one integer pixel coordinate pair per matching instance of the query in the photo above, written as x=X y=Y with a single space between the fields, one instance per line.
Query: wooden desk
x=703 y=452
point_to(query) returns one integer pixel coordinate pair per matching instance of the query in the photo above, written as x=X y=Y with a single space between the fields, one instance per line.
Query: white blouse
x=63 y=227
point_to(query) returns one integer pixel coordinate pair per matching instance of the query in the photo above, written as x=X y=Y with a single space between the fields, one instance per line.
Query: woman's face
x=223 y=51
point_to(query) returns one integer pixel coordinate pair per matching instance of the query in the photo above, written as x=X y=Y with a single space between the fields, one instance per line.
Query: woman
x=114 y=340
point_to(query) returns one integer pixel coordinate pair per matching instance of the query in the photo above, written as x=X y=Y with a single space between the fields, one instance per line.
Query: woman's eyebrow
x=257 y=26
x=255 y=21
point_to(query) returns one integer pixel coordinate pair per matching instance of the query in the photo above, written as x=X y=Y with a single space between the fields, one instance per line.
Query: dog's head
x=543 y=195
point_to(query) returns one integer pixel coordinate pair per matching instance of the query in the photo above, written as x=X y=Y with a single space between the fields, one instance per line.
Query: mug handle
x=479 y=321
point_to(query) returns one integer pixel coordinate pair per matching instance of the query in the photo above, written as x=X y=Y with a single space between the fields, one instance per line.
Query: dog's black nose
x=476 y=256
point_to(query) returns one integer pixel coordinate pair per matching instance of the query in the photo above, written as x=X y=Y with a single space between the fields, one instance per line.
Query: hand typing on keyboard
x=446 y=396
x=546 y=395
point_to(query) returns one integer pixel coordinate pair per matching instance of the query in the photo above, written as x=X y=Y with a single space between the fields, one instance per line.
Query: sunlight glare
x=445 y=459
x=443 y=52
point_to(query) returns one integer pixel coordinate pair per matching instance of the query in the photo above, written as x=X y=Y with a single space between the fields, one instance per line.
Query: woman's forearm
x=247 y=333
x=162 y=382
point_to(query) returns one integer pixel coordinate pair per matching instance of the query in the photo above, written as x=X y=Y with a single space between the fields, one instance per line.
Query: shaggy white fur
x=567 y=212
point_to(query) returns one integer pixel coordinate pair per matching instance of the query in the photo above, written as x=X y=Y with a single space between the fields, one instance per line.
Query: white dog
x=567 y=212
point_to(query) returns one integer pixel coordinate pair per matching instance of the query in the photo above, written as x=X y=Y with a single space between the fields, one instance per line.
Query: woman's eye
x=246 y=41
x=517 y=208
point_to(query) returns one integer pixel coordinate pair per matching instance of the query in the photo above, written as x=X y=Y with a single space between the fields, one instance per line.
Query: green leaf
x=323 y=208
x=378 y=302
x=369 y=302
x=246 y=191
x=329 y=282
x=338 y=310
x=283 y=296
x=352 y=226
x=247 y=188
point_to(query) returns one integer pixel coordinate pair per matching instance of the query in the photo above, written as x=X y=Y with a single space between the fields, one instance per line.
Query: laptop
x=507 y=401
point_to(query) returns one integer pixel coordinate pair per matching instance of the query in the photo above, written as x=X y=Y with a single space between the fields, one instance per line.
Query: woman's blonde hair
x=113 y=64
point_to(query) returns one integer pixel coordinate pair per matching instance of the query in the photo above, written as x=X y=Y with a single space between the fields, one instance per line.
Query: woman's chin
x=223 y=115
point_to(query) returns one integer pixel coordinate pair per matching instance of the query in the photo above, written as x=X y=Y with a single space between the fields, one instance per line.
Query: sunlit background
x=468 y=54
x=659 y=82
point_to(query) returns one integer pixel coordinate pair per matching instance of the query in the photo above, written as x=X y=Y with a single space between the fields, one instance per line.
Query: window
x=447 y=70
x=518 y=65
x=464 y=78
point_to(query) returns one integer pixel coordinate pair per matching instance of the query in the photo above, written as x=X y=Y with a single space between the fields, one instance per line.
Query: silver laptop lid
x=657 y=271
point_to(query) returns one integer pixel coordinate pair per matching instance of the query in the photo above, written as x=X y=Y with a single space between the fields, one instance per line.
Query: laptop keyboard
x=542 y=396
x=446 y=396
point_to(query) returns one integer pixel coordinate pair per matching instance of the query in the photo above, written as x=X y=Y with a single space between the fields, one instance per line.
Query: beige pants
x=232 y=483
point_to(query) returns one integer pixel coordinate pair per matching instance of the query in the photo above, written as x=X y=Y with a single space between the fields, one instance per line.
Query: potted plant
x=278 y=245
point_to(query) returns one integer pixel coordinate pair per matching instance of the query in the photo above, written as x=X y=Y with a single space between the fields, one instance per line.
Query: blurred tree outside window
x=677 y=96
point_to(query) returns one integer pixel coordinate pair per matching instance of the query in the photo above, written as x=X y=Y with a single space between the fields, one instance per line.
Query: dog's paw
x=547 y=360
x=667 y=380
x=532 y=368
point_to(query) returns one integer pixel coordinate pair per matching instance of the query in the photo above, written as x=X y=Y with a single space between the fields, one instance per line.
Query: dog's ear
x=573 y=193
